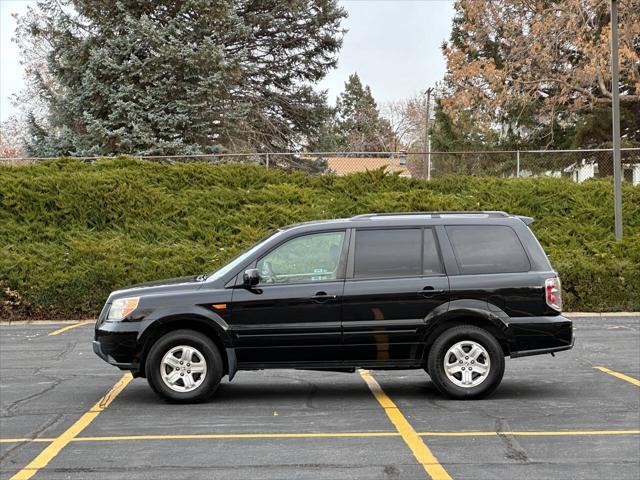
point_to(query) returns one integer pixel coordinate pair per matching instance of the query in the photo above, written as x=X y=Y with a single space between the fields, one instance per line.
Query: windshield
x=240 y=259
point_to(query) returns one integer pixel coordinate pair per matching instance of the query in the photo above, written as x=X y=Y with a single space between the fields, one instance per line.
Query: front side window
x=305 y=259
x=241 y=258
x=488 y=249
x=388 y=253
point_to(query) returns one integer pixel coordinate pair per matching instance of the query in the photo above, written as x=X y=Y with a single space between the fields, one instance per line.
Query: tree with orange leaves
x=533 y=68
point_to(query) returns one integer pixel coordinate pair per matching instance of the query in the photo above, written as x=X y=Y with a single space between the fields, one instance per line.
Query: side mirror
x=251 y=278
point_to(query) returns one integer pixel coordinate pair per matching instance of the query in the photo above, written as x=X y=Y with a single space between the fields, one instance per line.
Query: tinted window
x=431 y=259
x=387 y=253
x=488 y=249
x=310 y=258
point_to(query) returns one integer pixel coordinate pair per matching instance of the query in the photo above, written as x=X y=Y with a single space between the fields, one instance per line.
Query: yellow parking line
x=561 y=433
x=210 y=436
x=420 y=450
x=69 y=327
x=214 y=436
x=621 y=376
x=63 y=440
x=21 y=440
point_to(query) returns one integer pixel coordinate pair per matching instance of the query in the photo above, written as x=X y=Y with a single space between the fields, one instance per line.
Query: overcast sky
x=394 y=45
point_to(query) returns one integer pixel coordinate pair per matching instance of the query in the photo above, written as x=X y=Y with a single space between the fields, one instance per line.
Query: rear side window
x=388 y=253
x=487 y=249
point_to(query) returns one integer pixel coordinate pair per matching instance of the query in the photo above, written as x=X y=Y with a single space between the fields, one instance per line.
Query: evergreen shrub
x=71 y=232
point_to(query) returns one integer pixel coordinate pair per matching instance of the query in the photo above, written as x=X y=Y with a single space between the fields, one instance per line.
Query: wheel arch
x=479 y=318
x=215 y=329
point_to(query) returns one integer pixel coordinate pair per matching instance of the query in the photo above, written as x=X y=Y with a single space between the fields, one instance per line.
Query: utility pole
x=615 y=107
x=427 y=136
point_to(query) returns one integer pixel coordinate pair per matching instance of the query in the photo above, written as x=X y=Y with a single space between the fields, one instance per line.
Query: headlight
x=122 y=307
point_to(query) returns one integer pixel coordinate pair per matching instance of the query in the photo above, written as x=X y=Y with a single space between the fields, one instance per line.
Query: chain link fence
x=577 y=165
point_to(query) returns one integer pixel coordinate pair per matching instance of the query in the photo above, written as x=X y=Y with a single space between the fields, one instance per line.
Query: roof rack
x=488 y=213
x=445 y=214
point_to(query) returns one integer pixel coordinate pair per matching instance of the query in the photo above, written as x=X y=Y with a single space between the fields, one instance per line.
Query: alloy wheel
x=183 y=368
x=467 y=364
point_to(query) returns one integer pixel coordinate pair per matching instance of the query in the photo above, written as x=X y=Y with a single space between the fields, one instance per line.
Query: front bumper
x=117 y=344
x=539 y=335
x=131 y=366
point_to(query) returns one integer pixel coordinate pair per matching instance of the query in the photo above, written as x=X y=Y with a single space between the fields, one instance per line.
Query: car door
x=394 y=280
x=292 y=316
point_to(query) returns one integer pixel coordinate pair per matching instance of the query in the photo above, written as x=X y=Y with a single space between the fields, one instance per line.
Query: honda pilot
x=452 y=293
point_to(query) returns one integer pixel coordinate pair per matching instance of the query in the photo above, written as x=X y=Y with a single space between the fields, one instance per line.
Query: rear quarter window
x=487 y=249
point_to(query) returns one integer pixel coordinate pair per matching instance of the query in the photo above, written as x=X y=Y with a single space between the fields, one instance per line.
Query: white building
x=583 y=170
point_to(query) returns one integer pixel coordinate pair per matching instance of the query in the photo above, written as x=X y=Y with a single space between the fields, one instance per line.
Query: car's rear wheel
x=466 y=362
x=184 y=366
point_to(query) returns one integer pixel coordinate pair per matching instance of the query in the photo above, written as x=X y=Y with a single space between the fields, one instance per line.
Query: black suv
x=449 y=292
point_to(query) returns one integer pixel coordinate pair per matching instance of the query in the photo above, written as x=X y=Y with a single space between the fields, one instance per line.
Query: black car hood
x=158 y=286
x=168 y=281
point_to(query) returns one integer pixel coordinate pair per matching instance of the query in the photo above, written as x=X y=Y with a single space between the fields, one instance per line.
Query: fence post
x=518 y=164
x=429 y=160
x=266 y=164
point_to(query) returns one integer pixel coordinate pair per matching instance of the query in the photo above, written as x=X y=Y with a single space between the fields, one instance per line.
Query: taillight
x=553 y=293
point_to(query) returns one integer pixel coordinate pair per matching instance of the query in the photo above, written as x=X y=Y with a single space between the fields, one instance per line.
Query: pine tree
x=180 y=76
x=327 y=137
x=359 y=125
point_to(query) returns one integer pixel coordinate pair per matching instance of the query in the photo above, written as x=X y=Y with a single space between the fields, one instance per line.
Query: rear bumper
x=539 y=335
x=541 y=351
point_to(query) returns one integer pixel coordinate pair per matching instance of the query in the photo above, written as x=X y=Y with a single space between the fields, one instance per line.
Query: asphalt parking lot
x=66 y=414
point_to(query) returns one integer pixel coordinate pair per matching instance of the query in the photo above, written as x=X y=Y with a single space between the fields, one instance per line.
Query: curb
x=600 y=314
x=43 y=322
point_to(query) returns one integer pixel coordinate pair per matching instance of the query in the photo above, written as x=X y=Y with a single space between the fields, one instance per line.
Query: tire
x=183 y=350
x=452 y=346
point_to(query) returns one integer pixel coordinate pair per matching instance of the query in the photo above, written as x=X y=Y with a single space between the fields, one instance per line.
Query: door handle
x=322 y=297
x=429 y=290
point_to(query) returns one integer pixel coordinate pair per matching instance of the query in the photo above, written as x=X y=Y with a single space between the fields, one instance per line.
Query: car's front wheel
x=466 y=362
x=184 y=366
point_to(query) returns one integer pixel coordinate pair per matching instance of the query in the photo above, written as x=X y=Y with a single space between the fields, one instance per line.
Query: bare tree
x=11 y=139
x=408 y=121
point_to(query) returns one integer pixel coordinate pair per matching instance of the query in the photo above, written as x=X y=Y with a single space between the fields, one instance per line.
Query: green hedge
x=72 y=232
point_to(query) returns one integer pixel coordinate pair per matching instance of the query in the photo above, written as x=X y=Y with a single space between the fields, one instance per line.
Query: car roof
x=412 y=219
